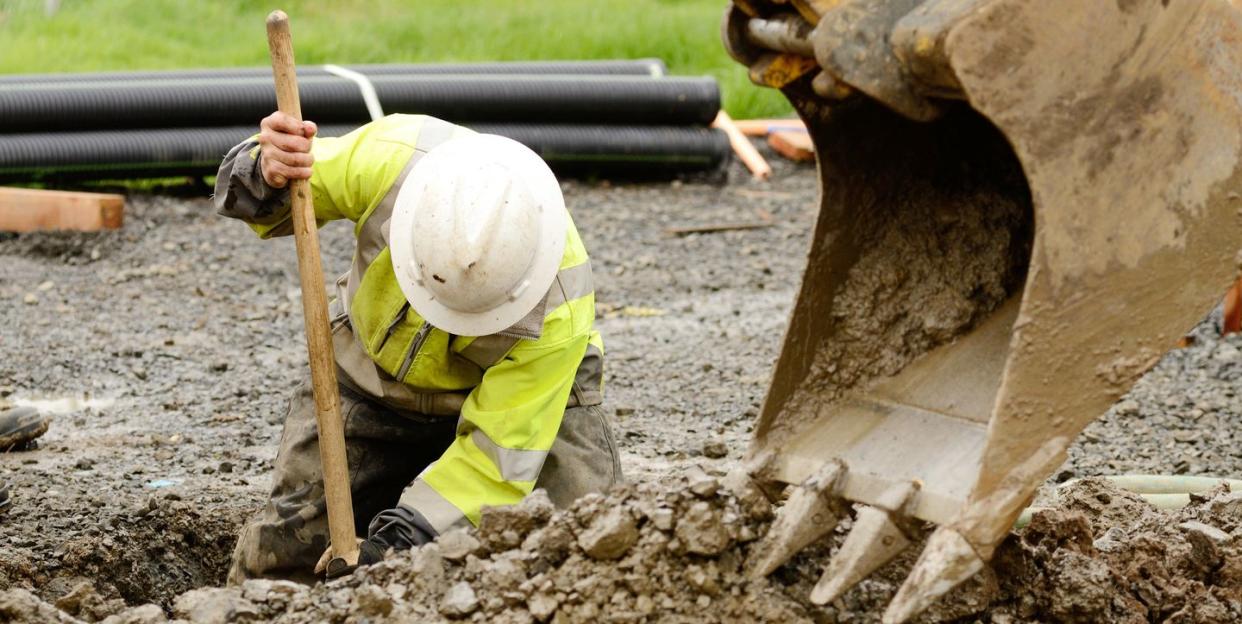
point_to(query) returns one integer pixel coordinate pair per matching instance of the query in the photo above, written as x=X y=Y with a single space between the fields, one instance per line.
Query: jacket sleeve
x=351 y=174
x=506 y=430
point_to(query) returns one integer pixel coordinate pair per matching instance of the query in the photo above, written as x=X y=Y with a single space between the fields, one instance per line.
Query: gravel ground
x=169 y=348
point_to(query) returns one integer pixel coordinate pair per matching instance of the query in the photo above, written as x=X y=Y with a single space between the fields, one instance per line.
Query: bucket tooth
x=947 y=561
x=879 y=534
x=1007 y=174
x=812 y=511
x=874 y=541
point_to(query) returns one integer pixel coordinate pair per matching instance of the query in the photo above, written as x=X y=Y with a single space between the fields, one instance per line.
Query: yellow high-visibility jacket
x=518 y=381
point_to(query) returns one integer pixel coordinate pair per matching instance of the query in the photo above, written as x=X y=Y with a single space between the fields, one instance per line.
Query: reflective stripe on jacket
x=516 y=383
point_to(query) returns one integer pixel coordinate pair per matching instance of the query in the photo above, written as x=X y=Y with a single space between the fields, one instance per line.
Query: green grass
x=96 y=35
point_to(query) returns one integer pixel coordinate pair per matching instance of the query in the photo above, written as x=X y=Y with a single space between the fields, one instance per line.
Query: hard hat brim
x=553 y=229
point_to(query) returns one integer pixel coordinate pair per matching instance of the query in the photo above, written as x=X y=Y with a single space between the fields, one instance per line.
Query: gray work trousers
x=386 y=450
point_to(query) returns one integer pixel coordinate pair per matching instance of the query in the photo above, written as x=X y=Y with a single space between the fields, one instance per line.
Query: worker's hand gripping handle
x=315 y=311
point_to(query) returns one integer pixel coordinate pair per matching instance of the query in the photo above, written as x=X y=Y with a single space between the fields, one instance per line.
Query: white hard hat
x=477 y=234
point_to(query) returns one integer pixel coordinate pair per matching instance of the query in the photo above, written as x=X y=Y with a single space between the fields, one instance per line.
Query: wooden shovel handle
x=1233 y=309
x=315 y=313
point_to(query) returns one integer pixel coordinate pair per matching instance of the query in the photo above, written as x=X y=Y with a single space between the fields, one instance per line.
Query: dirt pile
x=642 y=551
x=661 y=553
x=1105 y=555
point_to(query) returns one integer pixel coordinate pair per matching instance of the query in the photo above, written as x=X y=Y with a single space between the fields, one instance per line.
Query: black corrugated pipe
x=112 y=154
x=653 y=68
x=621 y=100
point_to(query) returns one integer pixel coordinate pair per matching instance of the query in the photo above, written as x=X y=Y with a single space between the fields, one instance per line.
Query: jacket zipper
x=415 y=345
x=392 y=327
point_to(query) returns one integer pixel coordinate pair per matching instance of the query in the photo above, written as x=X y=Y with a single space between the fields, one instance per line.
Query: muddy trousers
x=386 y=450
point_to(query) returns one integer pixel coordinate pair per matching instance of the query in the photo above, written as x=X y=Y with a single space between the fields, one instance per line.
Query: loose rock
x=610 y=536
x=460 y=601
x=455 y=545
x=701 y=530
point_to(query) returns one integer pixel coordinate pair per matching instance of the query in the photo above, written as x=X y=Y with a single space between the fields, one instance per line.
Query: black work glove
x=368 y=552
x=399 y=528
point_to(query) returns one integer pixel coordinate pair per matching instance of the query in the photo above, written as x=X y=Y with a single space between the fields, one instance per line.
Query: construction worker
x=469 y=368
x=19 y=427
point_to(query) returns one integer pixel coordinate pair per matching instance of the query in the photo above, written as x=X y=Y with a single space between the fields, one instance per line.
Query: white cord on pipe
x=364 y=86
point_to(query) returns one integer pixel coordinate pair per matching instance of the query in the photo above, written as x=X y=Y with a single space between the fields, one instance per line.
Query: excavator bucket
x=1024 y=203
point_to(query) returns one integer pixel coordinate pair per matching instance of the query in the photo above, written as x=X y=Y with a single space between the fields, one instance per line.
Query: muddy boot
x=20 y=426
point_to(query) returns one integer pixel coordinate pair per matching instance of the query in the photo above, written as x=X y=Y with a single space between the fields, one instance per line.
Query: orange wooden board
x=27 y=210
x=761 y=127
x=793 y=145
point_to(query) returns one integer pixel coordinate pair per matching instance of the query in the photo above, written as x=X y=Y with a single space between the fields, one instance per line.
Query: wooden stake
x=315 y=311
x=765 y=220
x=26 y=210
x=742 y=147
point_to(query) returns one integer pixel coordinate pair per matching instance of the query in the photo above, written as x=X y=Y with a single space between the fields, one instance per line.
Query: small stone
x=1208 y=531
x=267 y=590
x=72 y=602
x=459 y=601
x=1111 y=541
x=644 y=604
x=749 y=496
x=503 y=527
x=702 y=484
x=27 y=607
x=428 y=564
x=746 y=534
x=1128 y=407
x=226 y=466
x=84 y=464
x=702 y=531
x=46 y=286
x=715 y=450
x=146 y=614
x=220 y=366
x=624 y=410
x=542 y=606
x=214 y=605
x=1226 y=352
x=662 y=518
x=30 y=299
x=455 y=545
x=1227 y=505
x=610 y=535
x=373 y=601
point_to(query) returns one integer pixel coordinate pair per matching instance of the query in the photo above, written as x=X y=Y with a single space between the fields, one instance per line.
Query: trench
x=145 y=555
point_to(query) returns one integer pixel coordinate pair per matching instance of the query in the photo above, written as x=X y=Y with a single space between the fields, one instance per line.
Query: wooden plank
x=761 y=127
x=26 y=210
x=793 y=145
